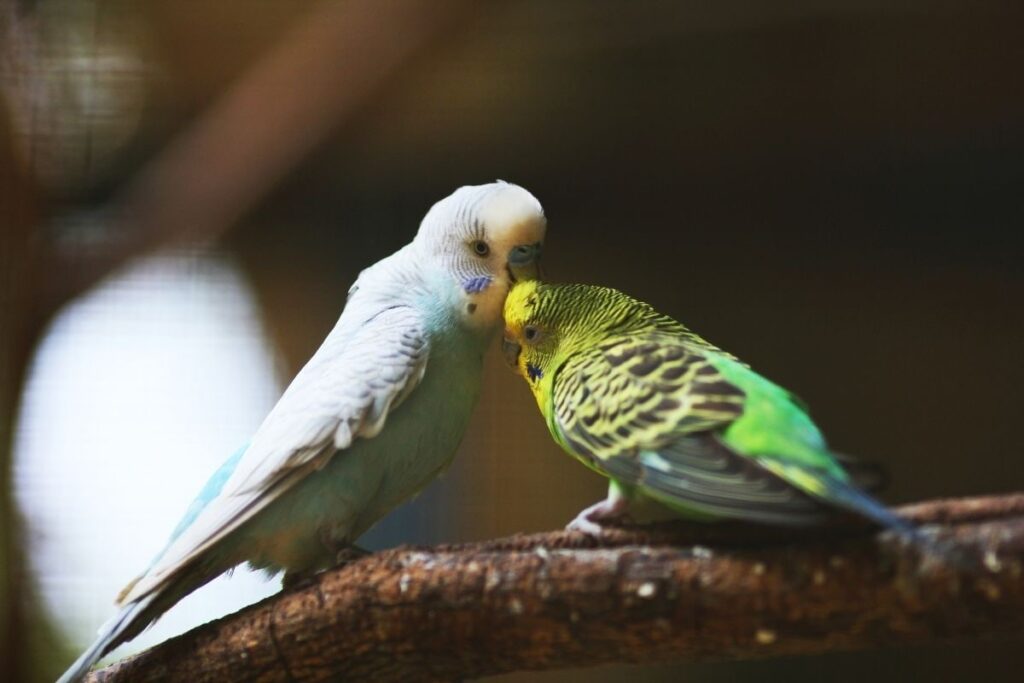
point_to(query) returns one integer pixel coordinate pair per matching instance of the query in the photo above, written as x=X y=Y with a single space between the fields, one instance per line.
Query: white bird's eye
x=480 y=248
x=530 y=333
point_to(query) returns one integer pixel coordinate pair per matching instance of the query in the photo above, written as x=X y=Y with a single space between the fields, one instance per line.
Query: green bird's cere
x=665 y=415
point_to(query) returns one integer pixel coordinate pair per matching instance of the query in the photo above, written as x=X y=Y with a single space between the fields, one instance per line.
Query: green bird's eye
x=530 y=333
x=480 y=248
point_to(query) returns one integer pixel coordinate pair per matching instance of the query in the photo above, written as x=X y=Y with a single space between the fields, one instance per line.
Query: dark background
x=831 y=190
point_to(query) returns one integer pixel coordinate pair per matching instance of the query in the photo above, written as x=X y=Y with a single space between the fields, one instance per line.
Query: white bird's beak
x=524 y=262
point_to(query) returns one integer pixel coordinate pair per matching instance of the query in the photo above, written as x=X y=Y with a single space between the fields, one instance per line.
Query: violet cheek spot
x=534 y=372
x=475 y=285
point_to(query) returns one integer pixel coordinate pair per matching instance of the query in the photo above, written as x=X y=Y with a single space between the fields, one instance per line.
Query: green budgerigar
x=665 y=415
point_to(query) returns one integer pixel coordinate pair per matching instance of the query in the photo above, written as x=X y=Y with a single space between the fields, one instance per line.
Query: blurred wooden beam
x=322 y=73
x=19 y=329
x=555 y=600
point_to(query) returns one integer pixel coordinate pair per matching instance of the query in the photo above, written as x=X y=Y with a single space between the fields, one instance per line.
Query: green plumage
x=664 y=414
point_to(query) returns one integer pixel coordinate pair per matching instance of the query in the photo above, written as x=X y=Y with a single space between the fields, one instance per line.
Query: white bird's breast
x=359 y=485
x=427 y=429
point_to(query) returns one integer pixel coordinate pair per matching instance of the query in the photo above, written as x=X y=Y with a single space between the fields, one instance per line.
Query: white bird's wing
x=346 y=391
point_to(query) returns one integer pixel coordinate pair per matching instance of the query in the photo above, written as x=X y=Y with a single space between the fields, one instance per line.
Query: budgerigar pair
x=380 y=408
x=376 y=413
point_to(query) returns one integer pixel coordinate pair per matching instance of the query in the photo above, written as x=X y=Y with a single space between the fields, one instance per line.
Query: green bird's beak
x=511 y=351
x=524 y=262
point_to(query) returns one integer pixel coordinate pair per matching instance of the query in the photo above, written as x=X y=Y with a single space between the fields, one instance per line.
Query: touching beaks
x=524 y=262
x=511 y=351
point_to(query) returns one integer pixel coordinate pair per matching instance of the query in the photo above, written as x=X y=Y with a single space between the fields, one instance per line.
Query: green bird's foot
x=589 y=520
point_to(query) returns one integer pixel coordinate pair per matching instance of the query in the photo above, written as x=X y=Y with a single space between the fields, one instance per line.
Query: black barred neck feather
x=590 y=313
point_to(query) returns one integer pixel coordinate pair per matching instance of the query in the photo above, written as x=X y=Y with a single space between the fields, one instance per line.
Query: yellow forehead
x=520 y=302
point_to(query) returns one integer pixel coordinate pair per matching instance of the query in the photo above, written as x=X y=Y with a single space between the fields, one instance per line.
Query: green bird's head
x=545 y=324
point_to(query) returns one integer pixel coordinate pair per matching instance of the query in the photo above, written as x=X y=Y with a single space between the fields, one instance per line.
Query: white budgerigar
x=374 y=415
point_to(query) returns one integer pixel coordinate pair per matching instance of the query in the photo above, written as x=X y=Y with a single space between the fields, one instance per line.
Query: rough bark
x=544 y=601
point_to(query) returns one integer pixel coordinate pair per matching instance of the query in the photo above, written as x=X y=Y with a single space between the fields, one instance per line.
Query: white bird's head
x=486 y=237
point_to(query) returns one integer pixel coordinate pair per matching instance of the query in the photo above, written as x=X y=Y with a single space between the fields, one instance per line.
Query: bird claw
x=589 y=520
x=584 y=525
x=292 y=580
x=349 y=554
x=343 y=556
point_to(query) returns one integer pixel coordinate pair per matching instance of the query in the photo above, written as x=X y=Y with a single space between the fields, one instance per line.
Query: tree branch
x=561 y=599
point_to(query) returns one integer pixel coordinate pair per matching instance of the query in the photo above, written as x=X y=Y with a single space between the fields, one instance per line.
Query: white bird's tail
x=107 y=638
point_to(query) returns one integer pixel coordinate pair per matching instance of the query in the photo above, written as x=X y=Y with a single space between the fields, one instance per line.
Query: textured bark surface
x=551 y=600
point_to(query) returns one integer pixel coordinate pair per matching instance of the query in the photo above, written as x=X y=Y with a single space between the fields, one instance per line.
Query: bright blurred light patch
x=139 y=391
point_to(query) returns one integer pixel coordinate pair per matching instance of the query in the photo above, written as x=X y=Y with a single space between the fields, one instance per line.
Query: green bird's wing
x=652 y=413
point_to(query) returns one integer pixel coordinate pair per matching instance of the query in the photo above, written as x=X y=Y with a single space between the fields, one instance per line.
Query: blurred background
x=830 y=189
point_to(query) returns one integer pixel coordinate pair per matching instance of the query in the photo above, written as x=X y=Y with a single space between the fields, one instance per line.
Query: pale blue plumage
x=374 y=415
x=210 y=491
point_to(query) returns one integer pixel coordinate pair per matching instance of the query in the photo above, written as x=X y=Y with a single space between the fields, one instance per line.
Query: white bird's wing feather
x=346 y=391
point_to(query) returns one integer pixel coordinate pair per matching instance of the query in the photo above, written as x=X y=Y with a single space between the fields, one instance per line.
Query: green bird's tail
x=701 y=476
x=849 y=497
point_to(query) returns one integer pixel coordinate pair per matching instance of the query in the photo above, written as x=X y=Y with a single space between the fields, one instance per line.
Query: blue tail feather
x=106 y=639
x=849 y=497
x=853 y=499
